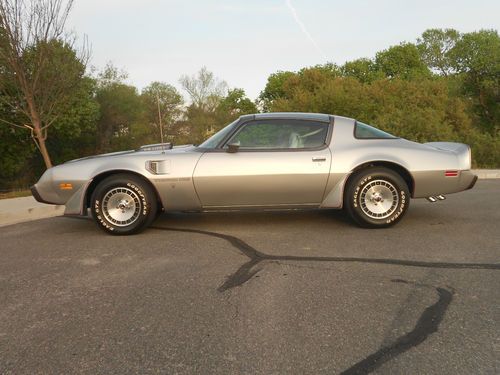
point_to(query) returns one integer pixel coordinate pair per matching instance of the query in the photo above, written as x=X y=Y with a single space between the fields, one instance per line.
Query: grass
x=15 y=194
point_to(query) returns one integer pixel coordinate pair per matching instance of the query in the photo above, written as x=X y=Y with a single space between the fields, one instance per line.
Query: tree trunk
x=38 y=132
x=43 y=148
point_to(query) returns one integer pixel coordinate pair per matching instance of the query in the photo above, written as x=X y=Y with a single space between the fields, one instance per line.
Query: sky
x=243 y=42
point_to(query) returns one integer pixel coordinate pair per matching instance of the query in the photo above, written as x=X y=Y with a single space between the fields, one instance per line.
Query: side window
x=281 y=134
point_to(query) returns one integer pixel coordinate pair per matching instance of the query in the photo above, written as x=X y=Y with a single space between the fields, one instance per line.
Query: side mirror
x=232 y=148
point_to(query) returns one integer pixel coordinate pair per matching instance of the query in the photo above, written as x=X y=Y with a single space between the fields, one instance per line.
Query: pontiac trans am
x=271 y=160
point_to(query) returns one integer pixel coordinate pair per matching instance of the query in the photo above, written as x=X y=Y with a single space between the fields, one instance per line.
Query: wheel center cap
x=377 y=198
x=123 y=205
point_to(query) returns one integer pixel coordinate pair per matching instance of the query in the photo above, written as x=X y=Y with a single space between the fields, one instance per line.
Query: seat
x=295 y=141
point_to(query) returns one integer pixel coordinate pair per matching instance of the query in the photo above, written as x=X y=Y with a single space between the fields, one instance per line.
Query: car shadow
x=237 y=218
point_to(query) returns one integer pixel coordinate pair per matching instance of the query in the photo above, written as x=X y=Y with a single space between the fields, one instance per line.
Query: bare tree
x=204 y=89
x=39 y=67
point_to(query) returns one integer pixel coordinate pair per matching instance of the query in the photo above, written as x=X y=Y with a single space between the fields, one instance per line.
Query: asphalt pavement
x=295 y=292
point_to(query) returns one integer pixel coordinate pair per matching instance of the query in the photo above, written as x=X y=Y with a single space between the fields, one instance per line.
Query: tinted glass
x=215 y=139
x=281 y=134
x=363 y=131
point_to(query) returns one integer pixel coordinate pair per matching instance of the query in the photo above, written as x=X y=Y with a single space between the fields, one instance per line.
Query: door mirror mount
x=232 y=148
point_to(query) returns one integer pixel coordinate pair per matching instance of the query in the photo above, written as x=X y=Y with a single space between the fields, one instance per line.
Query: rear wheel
x=123 y=204
x=376 y=197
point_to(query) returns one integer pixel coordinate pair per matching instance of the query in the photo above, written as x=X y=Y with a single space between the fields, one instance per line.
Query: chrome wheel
x=379 y=199
x=121 y=206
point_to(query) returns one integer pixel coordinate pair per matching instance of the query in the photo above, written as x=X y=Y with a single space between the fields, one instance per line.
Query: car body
x=269 y=160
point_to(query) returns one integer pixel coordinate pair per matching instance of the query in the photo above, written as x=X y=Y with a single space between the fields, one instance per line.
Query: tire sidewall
x=143 y=191
x=353 y=197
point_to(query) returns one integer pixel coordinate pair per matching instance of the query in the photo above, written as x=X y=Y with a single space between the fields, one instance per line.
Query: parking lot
x=296 y=292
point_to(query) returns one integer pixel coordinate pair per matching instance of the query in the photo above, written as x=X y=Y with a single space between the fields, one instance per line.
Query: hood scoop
x=156 y=147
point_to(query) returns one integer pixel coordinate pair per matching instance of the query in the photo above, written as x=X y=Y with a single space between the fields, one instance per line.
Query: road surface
x=301 y=292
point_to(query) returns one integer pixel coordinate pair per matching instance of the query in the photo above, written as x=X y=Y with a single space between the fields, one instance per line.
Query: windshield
x=215 y=139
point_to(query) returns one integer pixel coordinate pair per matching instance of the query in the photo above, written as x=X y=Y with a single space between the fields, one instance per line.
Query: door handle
x=319 y=158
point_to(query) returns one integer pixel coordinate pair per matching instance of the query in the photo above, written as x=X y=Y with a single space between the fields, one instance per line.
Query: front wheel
x=123 y=204
x=376 y=197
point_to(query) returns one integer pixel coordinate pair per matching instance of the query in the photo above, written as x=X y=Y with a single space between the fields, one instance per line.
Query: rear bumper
x=474 y=180
x=431 y=183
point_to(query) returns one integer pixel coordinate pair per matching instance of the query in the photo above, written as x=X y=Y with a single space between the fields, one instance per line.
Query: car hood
x=174 y=150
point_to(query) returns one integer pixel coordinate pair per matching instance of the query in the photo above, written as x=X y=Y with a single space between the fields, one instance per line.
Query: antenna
x=159 y=116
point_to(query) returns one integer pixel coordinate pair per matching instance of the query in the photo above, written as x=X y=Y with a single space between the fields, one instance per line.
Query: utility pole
x=159 y=117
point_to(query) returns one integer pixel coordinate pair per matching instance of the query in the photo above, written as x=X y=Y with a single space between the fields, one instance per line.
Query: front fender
x=76 y=204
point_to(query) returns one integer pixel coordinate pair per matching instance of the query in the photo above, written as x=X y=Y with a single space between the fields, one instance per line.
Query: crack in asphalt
x=427 y=324
x=249 y=269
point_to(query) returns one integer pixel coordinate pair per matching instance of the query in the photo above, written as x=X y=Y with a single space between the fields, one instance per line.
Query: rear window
x=364 y=131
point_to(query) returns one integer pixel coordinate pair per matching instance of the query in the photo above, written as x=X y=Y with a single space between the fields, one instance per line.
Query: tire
x=376 y=197
x=123 y=204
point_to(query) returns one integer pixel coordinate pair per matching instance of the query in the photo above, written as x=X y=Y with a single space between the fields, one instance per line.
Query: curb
x=484 y=174
x=19 y=210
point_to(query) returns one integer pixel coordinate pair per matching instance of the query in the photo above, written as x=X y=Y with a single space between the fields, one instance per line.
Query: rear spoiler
x=449 y=146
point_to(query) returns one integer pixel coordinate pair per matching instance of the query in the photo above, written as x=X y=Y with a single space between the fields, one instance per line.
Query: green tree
x=402 y=61
x=329 y=69
x=364 y=70
x=435 y=46
x=40 y=67
x=420 y=110
x=120 y=109
x=161 y=99
x=233 y=105
x=274 y=89
x=17 y=151
x=72 y=124
x=476 y=57
x=74 y=131
x=72 y=136
x=199 y=124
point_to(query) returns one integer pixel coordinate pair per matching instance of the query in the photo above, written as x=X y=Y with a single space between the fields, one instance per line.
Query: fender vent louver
x=156 y=147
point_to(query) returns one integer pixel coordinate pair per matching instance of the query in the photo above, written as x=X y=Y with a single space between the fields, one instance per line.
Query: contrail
x=303 y=27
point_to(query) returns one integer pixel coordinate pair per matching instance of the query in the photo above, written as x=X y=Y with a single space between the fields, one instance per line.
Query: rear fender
x=462 y=152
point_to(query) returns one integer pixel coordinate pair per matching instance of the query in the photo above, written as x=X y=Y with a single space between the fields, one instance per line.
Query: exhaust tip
x=432 y=199
x=441 y=197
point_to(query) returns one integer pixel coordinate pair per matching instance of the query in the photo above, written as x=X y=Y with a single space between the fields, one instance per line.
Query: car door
x=278 y=162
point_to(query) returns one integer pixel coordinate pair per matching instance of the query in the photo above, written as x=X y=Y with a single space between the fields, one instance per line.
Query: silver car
x=270 y=160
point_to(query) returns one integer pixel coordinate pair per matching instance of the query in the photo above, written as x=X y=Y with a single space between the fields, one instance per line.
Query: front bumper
x=37 y=195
